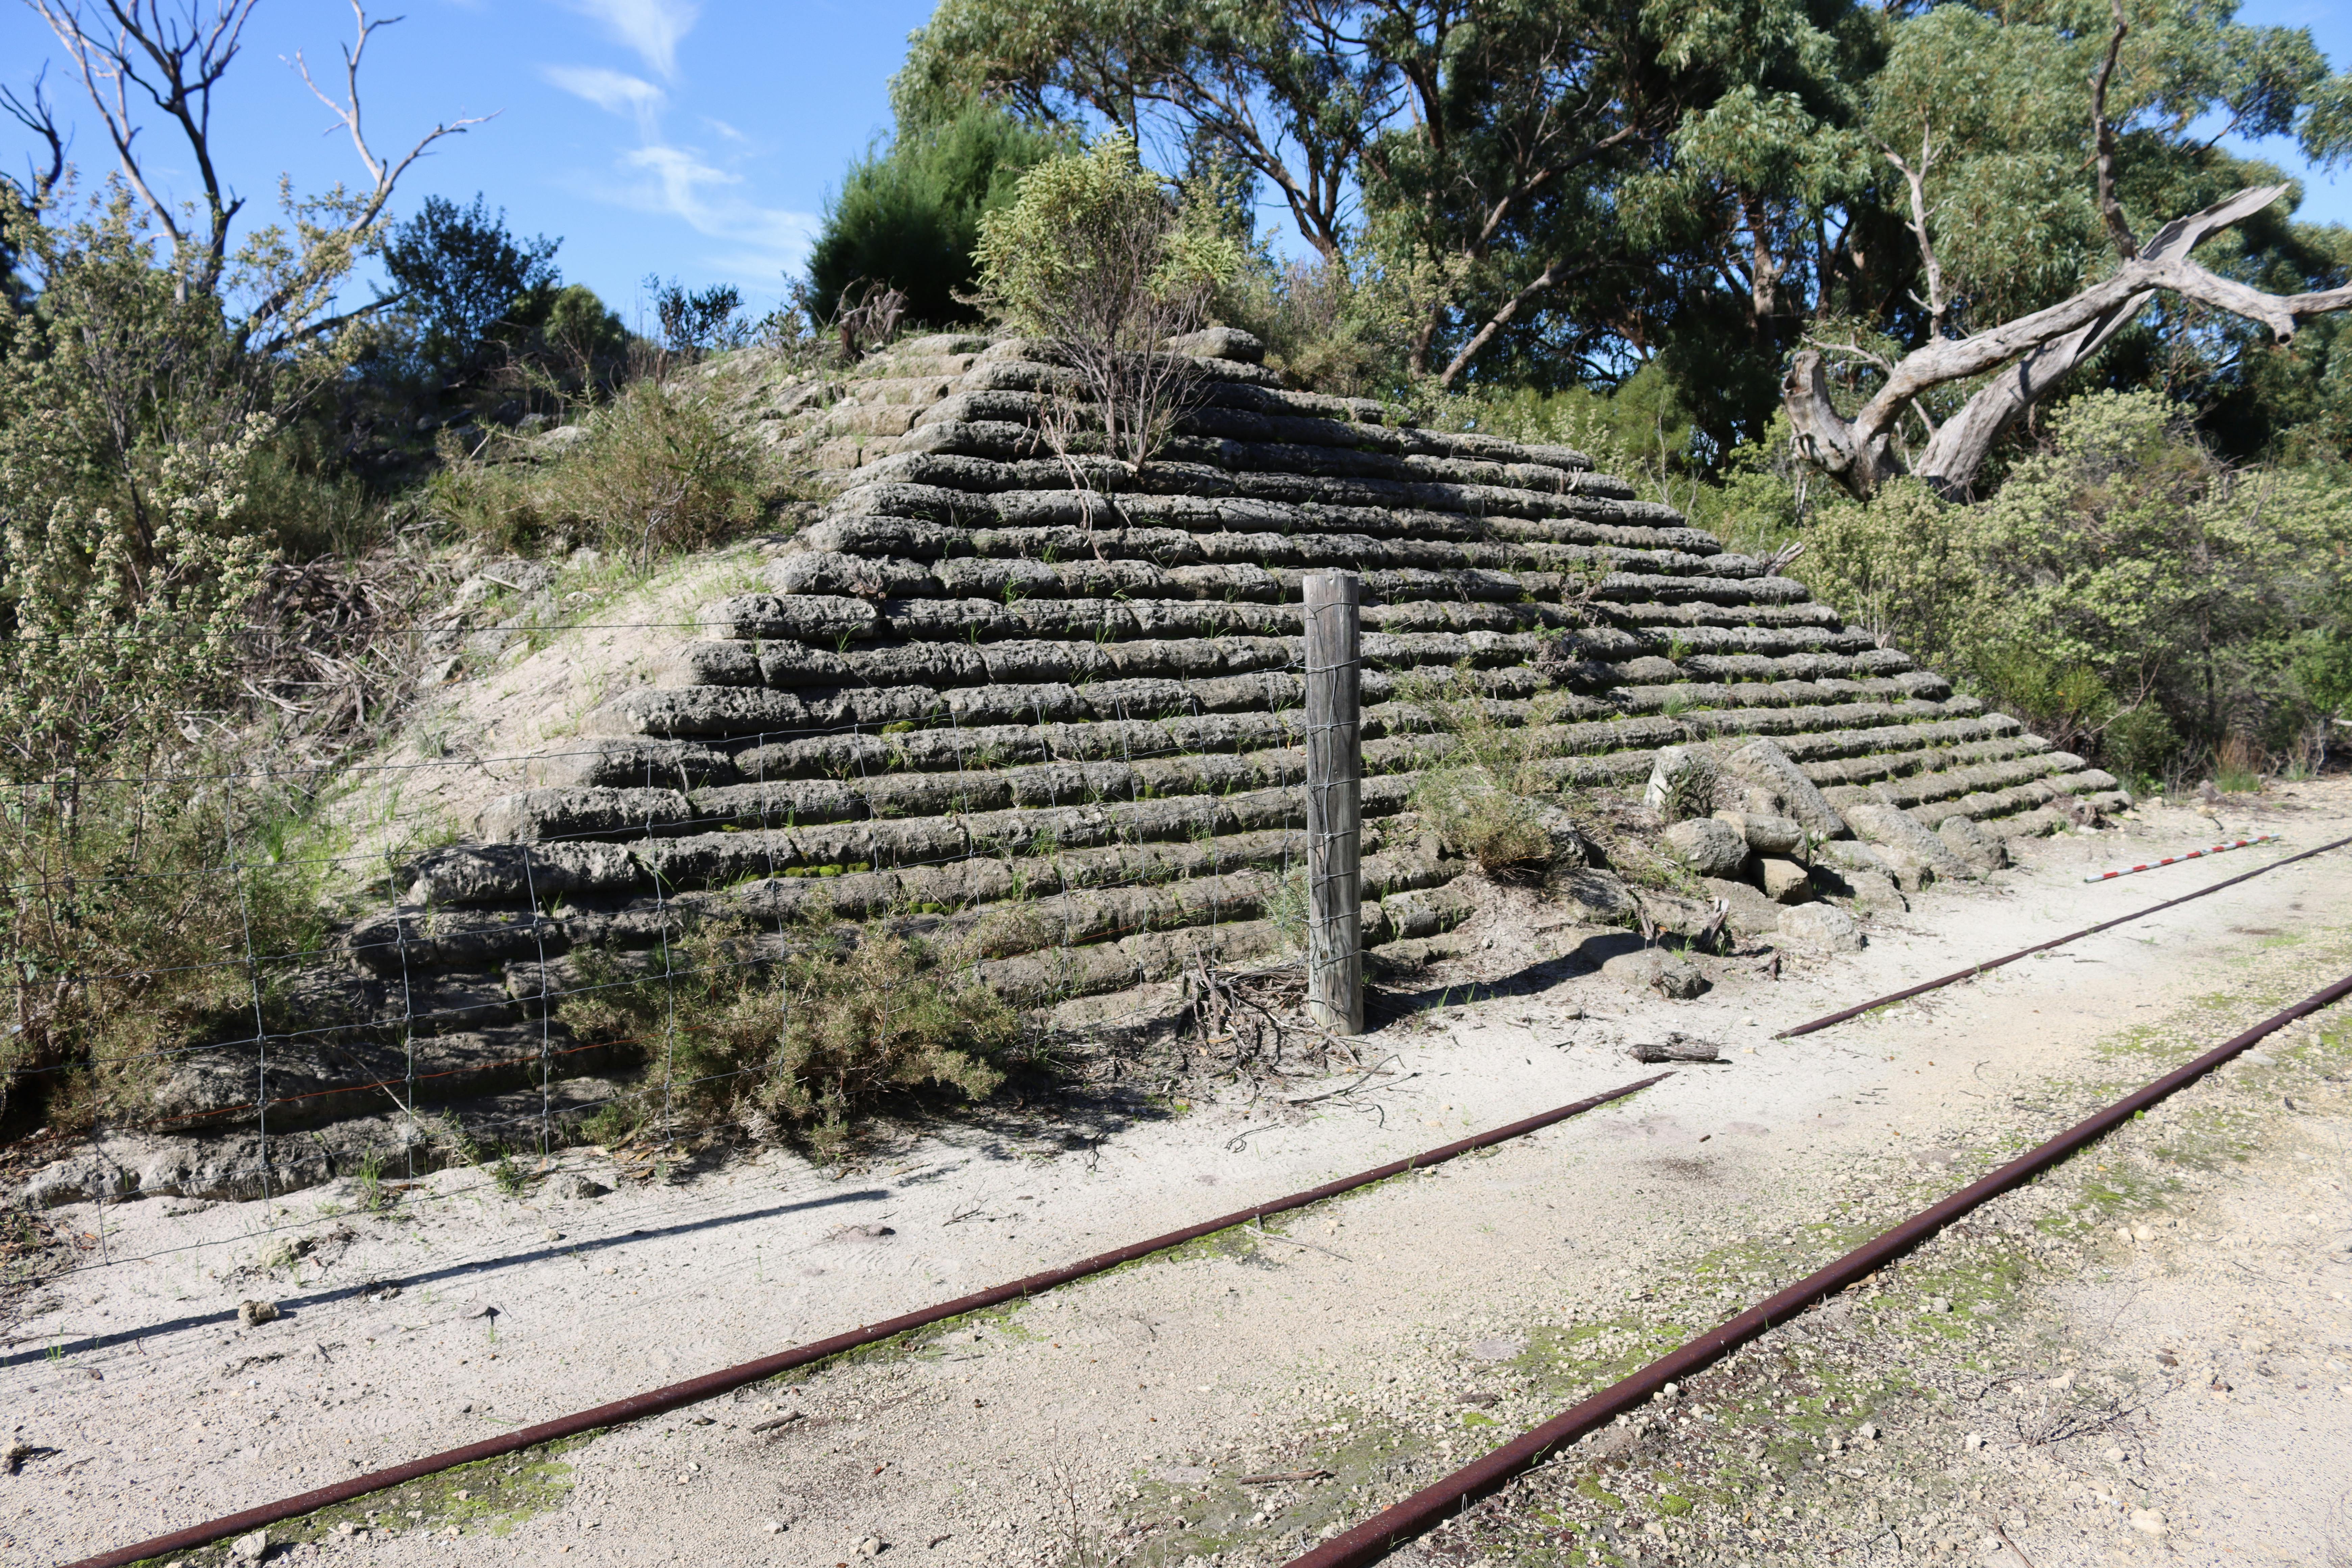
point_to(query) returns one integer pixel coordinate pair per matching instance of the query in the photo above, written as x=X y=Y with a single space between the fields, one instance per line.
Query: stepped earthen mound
x=1056 y=709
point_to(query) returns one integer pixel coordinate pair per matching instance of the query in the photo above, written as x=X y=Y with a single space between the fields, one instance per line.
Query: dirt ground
x=2147 y=1355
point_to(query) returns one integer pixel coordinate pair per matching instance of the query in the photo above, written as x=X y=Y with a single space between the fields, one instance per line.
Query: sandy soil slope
x=1382 y=1338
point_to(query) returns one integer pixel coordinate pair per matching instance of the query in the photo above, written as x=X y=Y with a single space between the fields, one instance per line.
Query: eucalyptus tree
x=2032 y=151
x=1472 y=146
x=1857 y=215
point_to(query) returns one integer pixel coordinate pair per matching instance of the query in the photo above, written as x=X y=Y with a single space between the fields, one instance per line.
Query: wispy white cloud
x=663 y=176
x=650 y=27
x=615 y=92
x=710 y=200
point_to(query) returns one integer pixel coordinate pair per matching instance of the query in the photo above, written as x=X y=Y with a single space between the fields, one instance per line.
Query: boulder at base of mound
x=1750 y=912
x=1785 y=881
x=1898 y=836
x=1709 y=846
x=1822 y=926
x=1972 y=844
x=1763 y=765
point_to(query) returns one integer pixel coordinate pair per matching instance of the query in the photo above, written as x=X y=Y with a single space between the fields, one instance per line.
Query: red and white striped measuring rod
x=2192 y=854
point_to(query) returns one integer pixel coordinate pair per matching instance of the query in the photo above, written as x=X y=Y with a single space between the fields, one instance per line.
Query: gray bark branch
x=2037 y=350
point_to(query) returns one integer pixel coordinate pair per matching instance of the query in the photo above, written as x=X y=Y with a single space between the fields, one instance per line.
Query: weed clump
x=811 y=1042
x=657 y=471
x=1504 y=833
x=1487 y=797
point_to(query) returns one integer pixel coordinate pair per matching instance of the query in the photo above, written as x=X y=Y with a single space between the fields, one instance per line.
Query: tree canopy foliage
x=909 y=219
x=1990 y=306
x=464 y=277
x=1560 y=191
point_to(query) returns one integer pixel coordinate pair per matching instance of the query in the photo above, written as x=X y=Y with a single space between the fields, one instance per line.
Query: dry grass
x=330 y=649
x=658 y=472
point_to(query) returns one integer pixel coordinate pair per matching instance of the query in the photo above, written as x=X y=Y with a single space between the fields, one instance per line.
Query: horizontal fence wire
x=719 y=743
x=1101 y=936
x=303 y=1050
x=488 y=1184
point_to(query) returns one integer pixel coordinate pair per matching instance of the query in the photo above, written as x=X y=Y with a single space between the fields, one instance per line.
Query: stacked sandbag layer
x=999 y=677
x=1029 y=700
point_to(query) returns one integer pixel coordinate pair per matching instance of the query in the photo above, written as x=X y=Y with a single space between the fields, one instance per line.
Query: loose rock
x=1675 y=978
x=1783 y=785
x=1972 y=844
x=1822 y=926
x=1709 y=846
x=1767 y=832
x=1897 y=835
x=1747 y=911
x=1785 y=881
x=1876 y=890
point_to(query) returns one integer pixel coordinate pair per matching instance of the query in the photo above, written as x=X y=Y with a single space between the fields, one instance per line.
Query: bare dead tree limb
x=2033 y=353
x=176 y=61
x=2103 y=139
x=1917 y=178
x=384 y=173
x=39 y=117
x=176 y=56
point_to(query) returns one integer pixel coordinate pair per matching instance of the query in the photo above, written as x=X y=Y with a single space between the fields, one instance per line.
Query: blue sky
x=692 y=140
x=696 y=140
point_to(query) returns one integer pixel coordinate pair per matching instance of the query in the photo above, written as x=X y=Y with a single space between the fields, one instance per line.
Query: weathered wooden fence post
x=1335 y=952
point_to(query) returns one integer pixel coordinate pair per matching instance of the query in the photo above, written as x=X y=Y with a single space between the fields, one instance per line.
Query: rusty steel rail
x=659 y=1401
x=1991 y=963
x=1377 y=1536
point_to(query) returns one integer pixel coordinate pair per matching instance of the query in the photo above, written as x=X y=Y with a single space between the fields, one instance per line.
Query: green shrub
x=1286 y=908
x=2141 y=744
x=1103 y=260
x=2121 y=576
x=910 y=217
x=1323 y=331
x=297 y=497
x=659 y=472
x=583 y=330
x=1901 y=567
x=2065 y=702
x=130 y=425
x=124 y=928
x=843 y=1022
